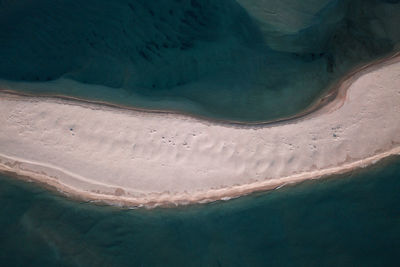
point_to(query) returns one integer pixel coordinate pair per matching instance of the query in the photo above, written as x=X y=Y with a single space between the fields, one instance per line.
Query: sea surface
x=347 y=220
x=246 y=60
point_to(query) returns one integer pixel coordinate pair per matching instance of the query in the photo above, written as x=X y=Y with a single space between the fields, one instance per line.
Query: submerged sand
x=130 y=157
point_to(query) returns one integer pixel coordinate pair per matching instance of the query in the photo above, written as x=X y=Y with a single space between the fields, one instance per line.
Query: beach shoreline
x=257 y=156
x=336 y=90
x=167 y=200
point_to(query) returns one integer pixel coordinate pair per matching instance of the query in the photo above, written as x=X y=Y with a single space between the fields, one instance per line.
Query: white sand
x=138 y=158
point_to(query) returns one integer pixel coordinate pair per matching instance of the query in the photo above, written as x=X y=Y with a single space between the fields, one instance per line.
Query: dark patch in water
x=211 y=53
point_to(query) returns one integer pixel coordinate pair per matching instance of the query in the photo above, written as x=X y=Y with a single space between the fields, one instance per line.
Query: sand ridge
x=139 y=158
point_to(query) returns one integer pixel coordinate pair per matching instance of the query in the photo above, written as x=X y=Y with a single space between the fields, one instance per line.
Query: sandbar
x=137 y=158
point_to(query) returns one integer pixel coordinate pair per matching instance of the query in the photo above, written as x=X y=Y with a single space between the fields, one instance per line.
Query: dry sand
x=129 y=157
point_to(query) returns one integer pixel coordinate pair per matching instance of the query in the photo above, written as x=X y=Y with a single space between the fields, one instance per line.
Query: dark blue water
x=349 y=221
x=244 y=60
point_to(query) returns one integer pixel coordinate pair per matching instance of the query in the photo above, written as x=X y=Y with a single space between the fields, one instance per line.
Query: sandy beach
x=134 y=158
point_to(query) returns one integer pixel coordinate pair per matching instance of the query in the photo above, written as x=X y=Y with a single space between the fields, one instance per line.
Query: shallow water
x=244 y=60
x=219 y=58
x=350 y=221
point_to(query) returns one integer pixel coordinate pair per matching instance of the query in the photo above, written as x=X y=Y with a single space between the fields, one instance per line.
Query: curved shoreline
x=288 y=154
x=335 y=90
x=167 y=200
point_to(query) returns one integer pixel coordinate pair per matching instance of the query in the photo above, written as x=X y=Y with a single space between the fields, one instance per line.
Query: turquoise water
x=351 y=221
x=244 y=60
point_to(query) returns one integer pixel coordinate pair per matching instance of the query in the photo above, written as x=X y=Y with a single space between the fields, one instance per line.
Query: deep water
x=353 y=220
x=244 y=60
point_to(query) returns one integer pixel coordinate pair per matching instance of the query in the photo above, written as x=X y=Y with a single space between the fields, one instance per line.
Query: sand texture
x=141 y=158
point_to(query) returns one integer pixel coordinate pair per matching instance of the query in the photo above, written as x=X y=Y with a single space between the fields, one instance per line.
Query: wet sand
x=132 y=157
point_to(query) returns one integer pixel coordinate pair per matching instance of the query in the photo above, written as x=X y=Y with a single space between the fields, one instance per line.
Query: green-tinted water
x=244 y=60
x=351 y=221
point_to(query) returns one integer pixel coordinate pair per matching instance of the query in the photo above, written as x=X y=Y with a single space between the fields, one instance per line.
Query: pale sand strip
x=137 y=158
